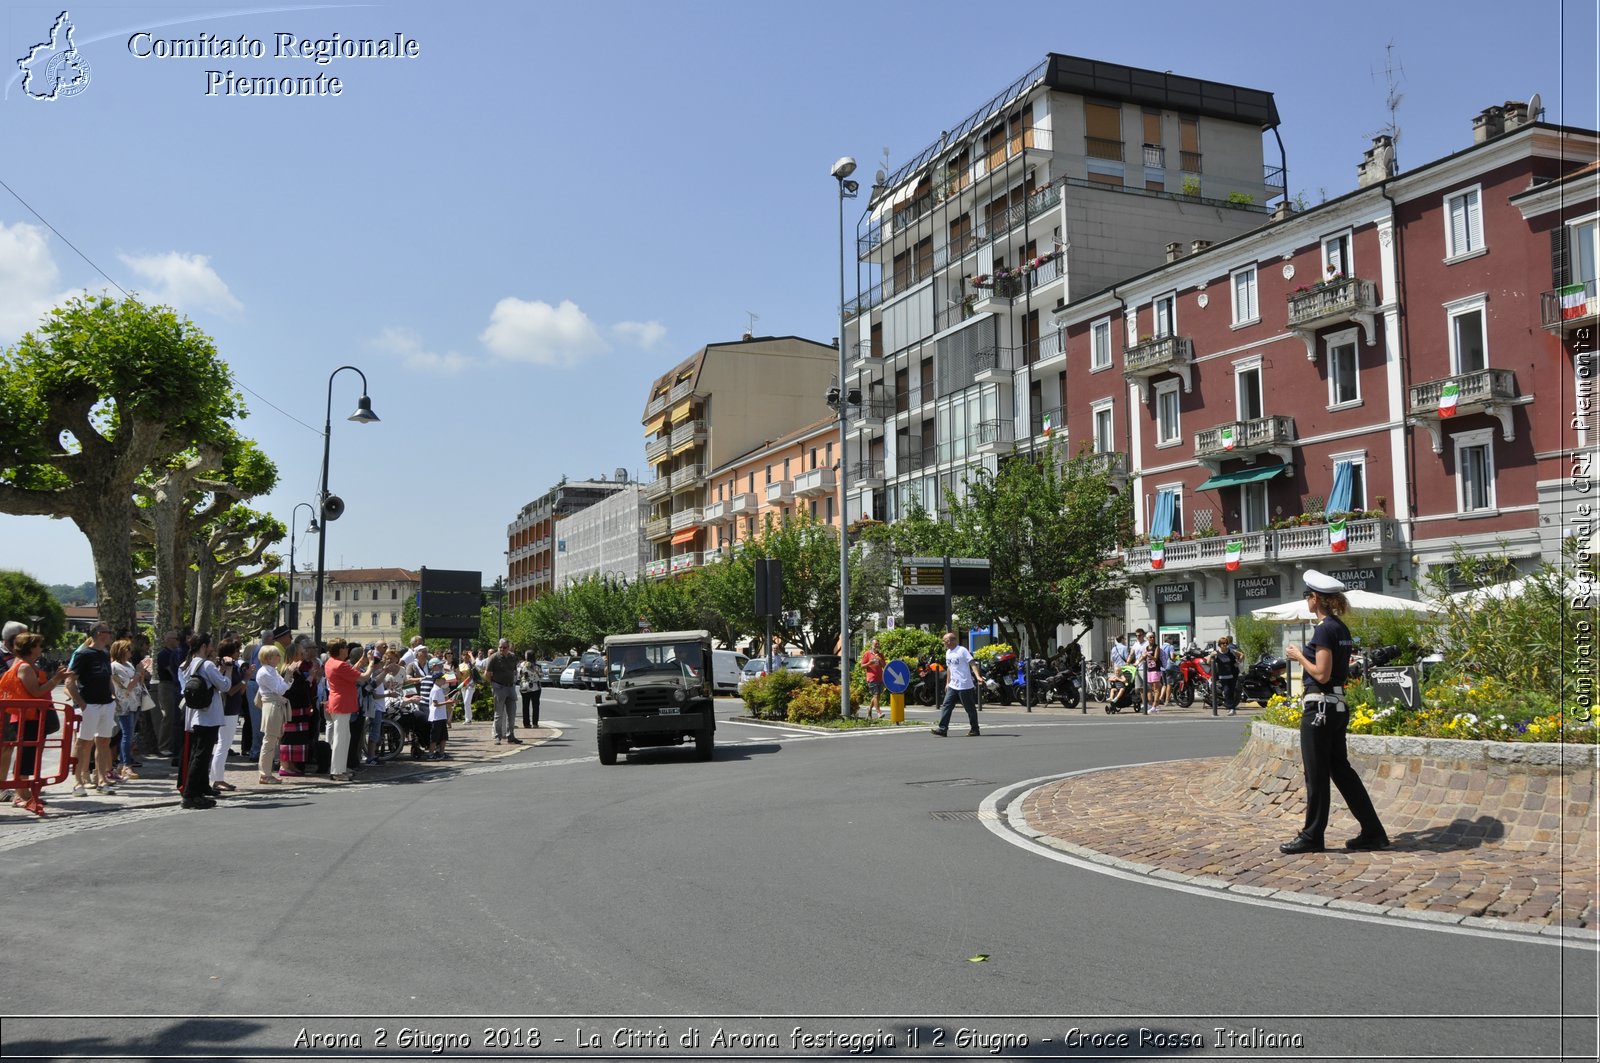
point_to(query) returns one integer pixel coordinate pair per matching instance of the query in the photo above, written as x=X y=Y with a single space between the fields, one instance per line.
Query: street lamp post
x=363 y=415
x=847 y=190
x=291 y=614
x=499 y=607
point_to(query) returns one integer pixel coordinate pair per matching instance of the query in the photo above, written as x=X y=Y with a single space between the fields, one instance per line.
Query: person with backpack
x=204 y=687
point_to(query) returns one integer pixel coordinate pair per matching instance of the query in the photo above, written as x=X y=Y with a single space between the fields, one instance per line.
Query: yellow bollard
x=897 y=708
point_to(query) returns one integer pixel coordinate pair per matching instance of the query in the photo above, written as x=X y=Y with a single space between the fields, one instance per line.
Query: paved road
x=847 y=878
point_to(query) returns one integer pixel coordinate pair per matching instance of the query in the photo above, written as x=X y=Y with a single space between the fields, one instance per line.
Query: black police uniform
x=1324 y=718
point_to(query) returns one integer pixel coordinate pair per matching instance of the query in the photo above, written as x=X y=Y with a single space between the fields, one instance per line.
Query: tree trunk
x=106 y=527
x=205 y=577
x=171 y=560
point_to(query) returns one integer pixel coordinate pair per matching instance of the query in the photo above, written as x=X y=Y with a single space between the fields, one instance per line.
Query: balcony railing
x=993 y=434
x=685 y=561
x=687 y=518
x=814 y=482
x=681 y=391
x=991 y=360
x=656 y=405
x=779 y=491
x=1052 y=344
x=716 y=513
x=1112 y=463
x=688 y=432
x=1491 y=391
x=1164 y=354
x=1155 y=156
x=1210 y=552
x=1312 y=539
x=1189 y=161
x=658 y=569
x=687 y=476
x=1055 y=417
x=1564 y=308
x=1272 y=178
x=1241 y=439
x=867 y=472
x=658 y=527
x=742 y=505
x=655 y=490
x=715 y=554
x=657 y=448
x=1102 y=148
x=1350 y=299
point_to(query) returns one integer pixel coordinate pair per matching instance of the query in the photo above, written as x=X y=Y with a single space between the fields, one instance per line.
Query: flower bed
x=1486 y=711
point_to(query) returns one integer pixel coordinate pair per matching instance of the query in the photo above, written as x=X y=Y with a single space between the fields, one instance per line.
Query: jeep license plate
x=670 y=710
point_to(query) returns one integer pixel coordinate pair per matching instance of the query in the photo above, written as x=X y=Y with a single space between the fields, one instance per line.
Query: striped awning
x=655 y=424
x=680 y=412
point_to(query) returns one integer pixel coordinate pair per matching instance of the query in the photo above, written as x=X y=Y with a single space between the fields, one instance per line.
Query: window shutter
x=1560 y=274
x=1474 y=223
x=1458 y=225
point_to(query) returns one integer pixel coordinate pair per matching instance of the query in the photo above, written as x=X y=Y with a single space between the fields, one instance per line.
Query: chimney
x=1283 y=211
x=1516 y=113
x=1197 y=246
x=622 y=475
x=1490 y=122
x=1174 y=251
x=1377 y=163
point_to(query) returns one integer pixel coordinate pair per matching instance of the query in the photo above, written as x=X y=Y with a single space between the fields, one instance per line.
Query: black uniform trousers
x=197 y=778
x=1322 y=754
x=530 y=707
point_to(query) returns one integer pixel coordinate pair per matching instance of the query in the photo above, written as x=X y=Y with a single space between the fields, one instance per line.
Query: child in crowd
x=438 y=713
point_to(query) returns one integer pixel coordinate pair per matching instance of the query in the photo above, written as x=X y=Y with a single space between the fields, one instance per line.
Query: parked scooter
x=1000 y=680
x=928 y=684
x=1194 y=678
x=1268 y=676
x=1058 y=681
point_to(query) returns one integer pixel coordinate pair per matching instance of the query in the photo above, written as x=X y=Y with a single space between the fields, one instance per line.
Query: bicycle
x=1096 y=683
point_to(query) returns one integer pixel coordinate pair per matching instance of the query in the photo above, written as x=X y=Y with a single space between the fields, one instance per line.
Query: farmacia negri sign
x=285 y=46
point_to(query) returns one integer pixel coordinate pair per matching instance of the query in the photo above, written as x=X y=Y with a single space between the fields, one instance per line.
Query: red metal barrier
x=29 y=749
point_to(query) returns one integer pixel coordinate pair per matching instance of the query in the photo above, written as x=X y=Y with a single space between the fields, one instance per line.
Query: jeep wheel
x=608 y=749
x=705 y=743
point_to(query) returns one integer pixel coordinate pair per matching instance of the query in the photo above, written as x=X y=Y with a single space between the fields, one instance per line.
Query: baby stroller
x=1124 y=689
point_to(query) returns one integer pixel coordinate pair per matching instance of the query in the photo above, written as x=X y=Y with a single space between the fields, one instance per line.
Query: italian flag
x=1235 y=551
x=1158 y=553
x=1573 y=302
x=1049 y=425
x=1227 y=438
x=1448 y=398
x=1338 y=537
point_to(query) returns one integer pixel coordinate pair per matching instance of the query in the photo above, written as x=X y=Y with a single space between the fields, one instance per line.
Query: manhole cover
x=962 y=814
x=950 y=782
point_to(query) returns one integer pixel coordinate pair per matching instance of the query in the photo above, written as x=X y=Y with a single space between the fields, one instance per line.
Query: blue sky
x=514 y=231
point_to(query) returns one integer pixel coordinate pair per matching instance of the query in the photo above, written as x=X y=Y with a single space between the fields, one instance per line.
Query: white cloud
x=644 y=334
x=523 y=331
x=28 y=277
x=187 y=282
x=406 y=345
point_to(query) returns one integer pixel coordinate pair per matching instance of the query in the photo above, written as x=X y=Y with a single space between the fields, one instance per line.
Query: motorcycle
x=1194 y=678
x=1058 y=683
x=1268 y=676
x=928 y=684
x=1361 y=662
x=1001 y=681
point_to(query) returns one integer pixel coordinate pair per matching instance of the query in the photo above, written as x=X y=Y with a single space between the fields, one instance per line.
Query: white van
x=726 y=665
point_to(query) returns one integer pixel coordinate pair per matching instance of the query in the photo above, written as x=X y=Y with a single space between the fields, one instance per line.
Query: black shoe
x=199 y=802
x=941 y=732
x=1300 y=844
x=972 y=733
x=1365 y=842
x=513 y=741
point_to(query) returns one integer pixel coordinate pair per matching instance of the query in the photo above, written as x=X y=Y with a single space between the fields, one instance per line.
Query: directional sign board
x=896 y=676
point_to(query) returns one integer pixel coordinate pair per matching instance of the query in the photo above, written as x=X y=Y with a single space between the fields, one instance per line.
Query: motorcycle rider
x=1224 y=664
x=1324 y=718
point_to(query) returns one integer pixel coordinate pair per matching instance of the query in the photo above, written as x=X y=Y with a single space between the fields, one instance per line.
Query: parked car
x=754 y=668
x=594 y=670
x=815 y=666
x=572 y=675
x=553 y=669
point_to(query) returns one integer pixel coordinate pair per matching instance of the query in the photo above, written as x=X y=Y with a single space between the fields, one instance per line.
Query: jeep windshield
x=672 y=660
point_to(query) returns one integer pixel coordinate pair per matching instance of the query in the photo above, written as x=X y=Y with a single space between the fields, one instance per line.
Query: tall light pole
x=331 y=505
x=291 y=611
x=847 y=190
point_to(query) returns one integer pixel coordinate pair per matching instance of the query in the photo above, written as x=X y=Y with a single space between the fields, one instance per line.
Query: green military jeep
x=658 y=693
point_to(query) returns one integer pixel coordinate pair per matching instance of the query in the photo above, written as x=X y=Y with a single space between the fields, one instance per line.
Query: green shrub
x=767 y=698
x=1254 y=636
x=813 y=702
x=1414 y=633
x=908 y=643
x=988 y=653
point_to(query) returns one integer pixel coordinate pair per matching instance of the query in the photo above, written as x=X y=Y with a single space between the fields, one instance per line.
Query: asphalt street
x=842 y=878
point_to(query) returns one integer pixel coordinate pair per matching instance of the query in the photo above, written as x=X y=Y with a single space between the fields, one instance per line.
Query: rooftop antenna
x=750 y=330
x=1393 y=74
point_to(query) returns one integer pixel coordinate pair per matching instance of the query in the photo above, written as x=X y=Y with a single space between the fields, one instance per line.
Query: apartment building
x=358 y=604
x=725 y=400
x=605 y=539
x=531 y=541
x=782 y=478
x=1076 y=175
x=1362 y=388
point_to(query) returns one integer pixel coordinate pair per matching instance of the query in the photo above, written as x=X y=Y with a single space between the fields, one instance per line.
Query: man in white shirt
x=963 y=678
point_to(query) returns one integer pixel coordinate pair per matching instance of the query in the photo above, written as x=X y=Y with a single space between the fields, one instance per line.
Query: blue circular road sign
x=896 y=676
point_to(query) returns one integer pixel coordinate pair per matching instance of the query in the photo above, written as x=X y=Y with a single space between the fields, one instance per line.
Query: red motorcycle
x=1194 y=678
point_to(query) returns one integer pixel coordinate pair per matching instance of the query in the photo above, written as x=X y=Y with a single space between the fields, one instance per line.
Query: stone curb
x=1541 y=754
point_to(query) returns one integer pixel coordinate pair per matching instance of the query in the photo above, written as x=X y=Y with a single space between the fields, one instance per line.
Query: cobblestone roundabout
x=1478 y=840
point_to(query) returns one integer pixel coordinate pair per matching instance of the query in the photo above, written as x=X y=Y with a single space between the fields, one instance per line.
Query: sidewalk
x=469 y=744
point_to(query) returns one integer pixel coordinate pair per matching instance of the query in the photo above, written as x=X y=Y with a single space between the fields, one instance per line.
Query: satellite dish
x=332 y=507
x=1535 y=107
